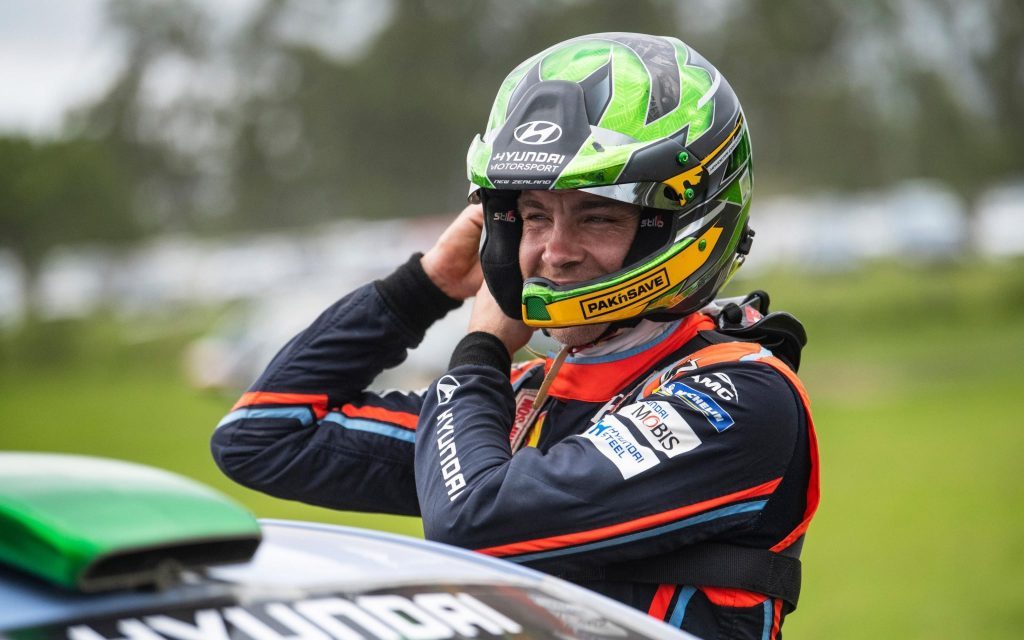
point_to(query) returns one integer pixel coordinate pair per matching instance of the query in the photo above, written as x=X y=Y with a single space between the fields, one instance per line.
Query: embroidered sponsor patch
x=446 y=387
x=524 y=404
x=719 y=384
x=700 y=401
x=662 y=426
x=614 y=441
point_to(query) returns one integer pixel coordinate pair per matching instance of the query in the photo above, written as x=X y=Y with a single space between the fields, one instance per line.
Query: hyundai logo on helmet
x=537 y=132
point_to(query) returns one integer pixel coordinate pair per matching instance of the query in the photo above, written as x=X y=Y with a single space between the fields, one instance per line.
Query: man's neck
x=626 y=338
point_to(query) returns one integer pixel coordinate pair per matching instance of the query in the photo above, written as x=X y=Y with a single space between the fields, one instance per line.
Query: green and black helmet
x=637 y=118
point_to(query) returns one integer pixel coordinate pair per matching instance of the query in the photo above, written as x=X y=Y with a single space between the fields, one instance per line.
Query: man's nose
x=562 y=248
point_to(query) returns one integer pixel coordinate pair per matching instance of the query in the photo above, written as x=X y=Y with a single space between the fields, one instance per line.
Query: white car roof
x=303 y=572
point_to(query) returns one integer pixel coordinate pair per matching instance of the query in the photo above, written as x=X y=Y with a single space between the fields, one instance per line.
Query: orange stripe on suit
x=662 y=598
x=653 y=520
x=399 y=418
x=316 y=401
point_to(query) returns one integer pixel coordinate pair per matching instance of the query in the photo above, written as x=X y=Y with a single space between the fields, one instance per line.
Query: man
x=665 y=457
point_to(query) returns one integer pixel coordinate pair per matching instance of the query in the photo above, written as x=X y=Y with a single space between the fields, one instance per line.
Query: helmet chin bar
x=653 y=285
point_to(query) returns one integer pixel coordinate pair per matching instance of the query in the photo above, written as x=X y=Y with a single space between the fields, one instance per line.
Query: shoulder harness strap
x=747 y=319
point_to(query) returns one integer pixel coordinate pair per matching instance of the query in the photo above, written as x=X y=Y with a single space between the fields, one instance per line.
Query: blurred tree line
x=310 y=110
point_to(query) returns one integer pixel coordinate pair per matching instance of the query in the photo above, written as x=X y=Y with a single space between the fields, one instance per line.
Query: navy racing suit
x=665 y=436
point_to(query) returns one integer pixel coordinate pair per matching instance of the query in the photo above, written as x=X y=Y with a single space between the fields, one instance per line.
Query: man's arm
x=307 y=430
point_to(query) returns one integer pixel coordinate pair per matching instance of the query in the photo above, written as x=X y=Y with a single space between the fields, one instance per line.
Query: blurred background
x=184 y=185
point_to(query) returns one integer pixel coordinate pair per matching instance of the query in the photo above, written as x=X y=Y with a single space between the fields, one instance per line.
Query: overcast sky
x=56 y=53
x=52 y=54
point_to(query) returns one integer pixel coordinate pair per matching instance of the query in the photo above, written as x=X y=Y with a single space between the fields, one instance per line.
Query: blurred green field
x=914 y=373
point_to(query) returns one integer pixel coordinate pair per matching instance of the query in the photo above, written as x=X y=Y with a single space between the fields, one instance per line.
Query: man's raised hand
x=488 y=316
x=453 y=263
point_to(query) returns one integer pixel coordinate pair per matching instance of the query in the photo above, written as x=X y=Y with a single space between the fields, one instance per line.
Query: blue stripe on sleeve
x=302 y=414
x=371 y=426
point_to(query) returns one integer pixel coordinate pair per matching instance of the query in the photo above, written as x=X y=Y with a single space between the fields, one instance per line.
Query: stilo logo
x=537 y=132
x=446 y=387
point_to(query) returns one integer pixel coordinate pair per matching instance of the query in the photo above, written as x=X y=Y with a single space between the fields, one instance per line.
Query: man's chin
x=578 y=336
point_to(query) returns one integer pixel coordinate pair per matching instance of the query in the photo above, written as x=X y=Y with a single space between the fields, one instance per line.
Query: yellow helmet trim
x=655 y=287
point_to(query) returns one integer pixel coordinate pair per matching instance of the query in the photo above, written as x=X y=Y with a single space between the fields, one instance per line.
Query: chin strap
x=542 y=395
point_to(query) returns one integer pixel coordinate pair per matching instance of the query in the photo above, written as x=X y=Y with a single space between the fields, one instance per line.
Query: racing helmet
x=636 y=118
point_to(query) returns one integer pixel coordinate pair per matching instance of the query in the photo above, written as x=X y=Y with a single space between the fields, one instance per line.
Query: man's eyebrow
x=585 y=205
x=595 y=204
x=530 y=202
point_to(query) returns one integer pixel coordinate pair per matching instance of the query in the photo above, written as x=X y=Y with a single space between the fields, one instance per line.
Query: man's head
x=641 y=122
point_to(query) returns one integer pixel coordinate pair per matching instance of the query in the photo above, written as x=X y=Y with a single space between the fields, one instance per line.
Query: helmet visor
x=657 y=195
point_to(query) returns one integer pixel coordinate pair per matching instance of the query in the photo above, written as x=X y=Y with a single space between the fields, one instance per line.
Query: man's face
x=574 y=236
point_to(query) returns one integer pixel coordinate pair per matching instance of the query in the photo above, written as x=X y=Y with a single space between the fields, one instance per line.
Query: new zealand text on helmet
x=639 y=119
